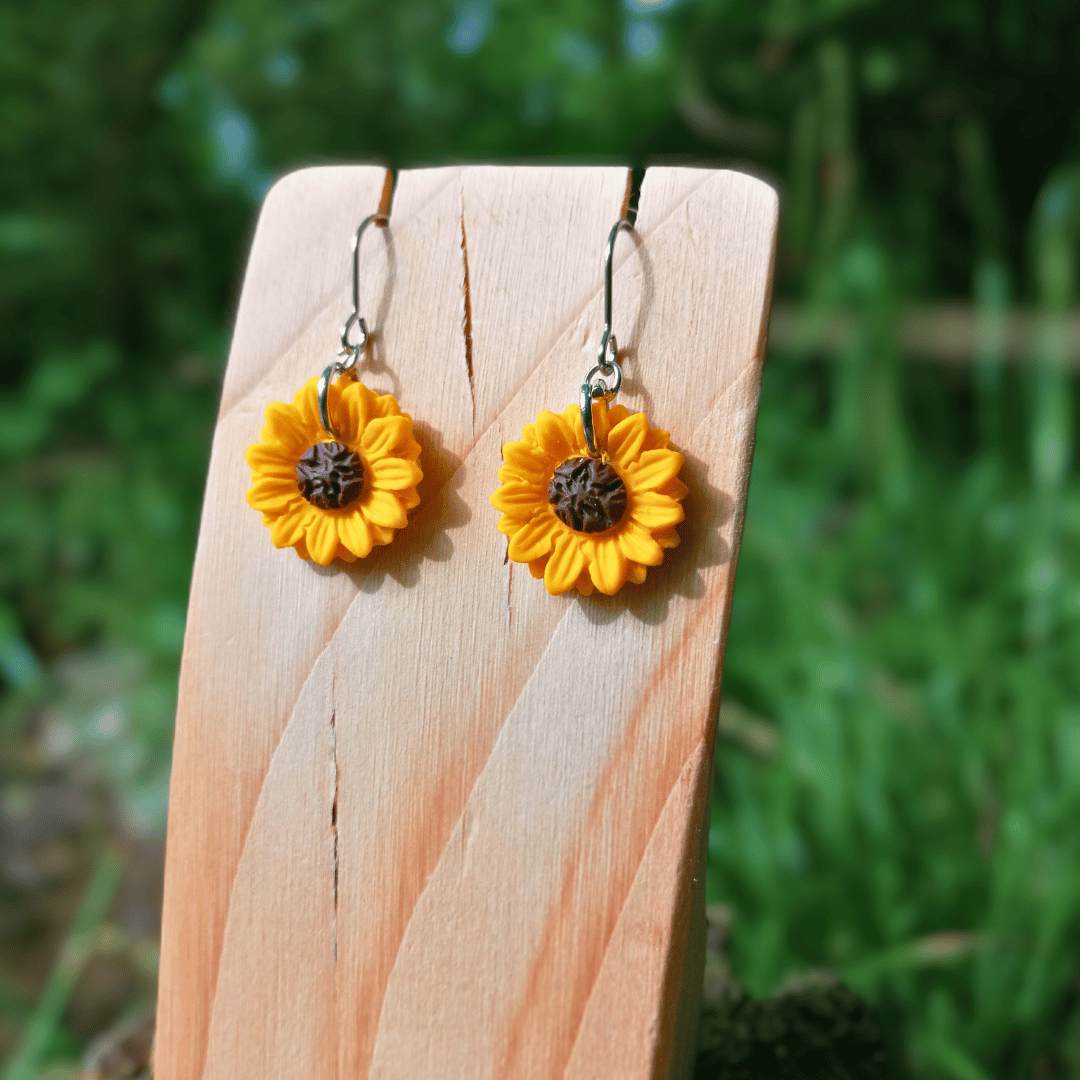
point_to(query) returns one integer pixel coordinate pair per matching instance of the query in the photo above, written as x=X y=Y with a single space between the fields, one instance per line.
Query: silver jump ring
x=325 y=379
x=593 y=389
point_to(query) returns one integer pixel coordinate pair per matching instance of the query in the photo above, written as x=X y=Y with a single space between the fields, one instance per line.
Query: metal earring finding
x=591 y=496
x=349 y=349
x=596 y=384
x=336 y=470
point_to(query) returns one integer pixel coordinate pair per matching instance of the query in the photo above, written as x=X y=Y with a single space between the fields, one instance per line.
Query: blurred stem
x=979 y=186
x=885 y=445
x=69 y=964
x=838 y=166
x=868 y=417
x=991 y=285
x=799 y=219
x=833 y=124
x=992 y=291
x=1055 y=231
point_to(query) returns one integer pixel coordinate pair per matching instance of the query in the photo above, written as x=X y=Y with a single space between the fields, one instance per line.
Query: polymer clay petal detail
x=374 y=440
x=606 y=523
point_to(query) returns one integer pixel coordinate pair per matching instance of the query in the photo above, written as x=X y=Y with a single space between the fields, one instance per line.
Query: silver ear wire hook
x=607 y=361
x=352 y=350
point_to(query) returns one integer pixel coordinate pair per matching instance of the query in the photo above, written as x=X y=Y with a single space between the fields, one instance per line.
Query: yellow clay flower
x=334 y=497
x=589 y=523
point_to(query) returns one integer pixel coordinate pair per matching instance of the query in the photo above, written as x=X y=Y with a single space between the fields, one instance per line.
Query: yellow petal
x=534 y=538
x=666 y=538
x=380 y=534
x=385 y=405
x=572 y=416
x=655 y=511
x=289 y=528
x=355 y=534
x=273 y=494
x=306 y=399
x=383 y=508
x=658 y=439
x=522 y=462
x=269 y=460
x=636 y=574
x=675 y=488
x=653 y=469
x=285 y=427
x=508 y=525
x=554 y=436
x=584 y=585
x=607 y=568
x=536 y=567
x=322 y=538
x=409 y=497
x=626 y=439
x=519 y=500
x=276 y=484
x=355 y=407
x=566 y=561
x=384 y=435
x=601 y=423
x=638 y=544
x=393 y=474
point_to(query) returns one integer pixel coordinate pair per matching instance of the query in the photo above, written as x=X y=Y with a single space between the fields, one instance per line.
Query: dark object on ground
x=816 y=1029
x=124 y=1052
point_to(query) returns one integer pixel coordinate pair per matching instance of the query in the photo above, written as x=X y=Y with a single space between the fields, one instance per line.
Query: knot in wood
x=330 y=475
x=587 y=495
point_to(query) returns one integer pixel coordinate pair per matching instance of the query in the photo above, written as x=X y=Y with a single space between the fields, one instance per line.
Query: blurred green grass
x=899 y=768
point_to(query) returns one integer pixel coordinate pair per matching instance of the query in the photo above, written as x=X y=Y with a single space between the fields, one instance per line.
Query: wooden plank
x=233 y=703
x=426 y=819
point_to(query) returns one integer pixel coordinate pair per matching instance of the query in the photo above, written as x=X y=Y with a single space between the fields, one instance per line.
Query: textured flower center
x=330 y=475
x=587 y=495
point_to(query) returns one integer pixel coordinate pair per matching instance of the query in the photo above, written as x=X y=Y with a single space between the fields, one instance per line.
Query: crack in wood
x=466 y=325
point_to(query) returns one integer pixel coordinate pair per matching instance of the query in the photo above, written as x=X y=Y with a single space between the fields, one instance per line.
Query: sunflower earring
x=336 y=471
x=591 y=496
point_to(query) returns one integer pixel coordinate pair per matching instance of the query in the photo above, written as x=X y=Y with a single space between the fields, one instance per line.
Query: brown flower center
x=330 y=475
x=587 y=495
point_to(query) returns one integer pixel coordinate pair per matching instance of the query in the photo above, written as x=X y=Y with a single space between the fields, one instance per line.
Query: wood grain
x=426 y=819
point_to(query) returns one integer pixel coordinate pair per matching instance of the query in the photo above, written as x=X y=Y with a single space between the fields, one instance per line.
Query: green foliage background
x=897 y=795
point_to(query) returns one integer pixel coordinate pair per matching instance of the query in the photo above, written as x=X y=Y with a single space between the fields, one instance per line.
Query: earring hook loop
x=607 y=361
x=352 y=350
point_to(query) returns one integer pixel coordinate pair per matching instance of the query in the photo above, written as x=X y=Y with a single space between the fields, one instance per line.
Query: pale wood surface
x=426 y=819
